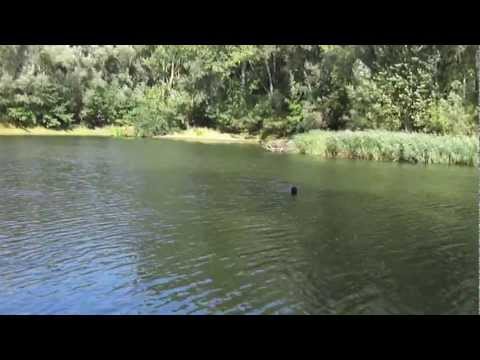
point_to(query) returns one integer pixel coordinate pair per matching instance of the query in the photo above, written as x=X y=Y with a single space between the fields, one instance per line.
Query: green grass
x=115 y=131
x=390 y=146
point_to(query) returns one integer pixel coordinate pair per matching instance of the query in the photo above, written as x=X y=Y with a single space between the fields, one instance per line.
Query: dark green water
x=107 y=226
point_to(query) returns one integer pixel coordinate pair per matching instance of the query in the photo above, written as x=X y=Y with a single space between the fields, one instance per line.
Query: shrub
x=21 y=117
x=158 y=112
x=450 y=115
x=396 y=98
x=34 y=100
x=106 y=104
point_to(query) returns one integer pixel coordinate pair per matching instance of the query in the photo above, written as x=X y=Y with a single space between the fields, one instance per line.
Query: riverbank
x=209 y=136
x=382 y=146
x=193 y=134
x=356 y=145
x=106 y=131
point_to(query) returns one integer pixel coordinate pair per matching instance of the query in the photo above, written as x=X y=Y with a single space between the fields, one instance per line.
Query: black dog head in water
x=293 y=190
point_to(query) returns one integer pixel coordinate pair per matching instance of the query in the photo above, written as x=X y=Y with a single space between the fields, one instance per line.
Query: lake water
x=112 y=226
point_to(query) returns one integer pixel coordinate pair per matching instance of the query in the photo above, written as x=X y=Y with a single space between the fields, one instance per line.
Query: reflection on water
x=105 y=226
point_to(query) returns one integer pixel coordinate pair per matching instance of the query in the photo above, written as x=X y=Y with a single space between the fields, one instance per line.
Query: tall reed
x=390 y=146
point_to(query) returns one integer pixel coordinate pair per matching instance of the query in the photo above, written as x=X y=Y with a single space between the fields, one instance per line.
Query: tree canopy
x=262 y=89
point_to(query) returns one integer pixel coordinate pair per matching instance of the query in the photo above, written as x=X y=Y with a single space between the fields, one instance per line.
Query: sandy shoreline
x=41 y=131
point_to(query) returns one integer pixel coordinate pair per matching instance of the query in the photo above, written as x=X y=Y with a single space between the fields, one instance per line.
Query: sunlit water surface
x=111 y=226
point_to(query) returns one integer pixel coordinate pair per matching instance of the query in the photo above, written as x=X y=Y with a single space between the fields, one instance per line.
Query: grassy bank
x=193 y=134
x=365 y=145
x=209 y=136
x=116 y=131
x=388 y=146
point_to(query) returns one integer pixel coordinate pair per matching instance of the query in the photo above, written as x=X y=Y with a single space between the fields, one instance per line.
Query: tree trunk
x=20 y=59
x=190 y=119
x=270 y=82
x=274 y=62
x=478 y=82
x=252 y=68
x=306 y=81
x=478 y=72
x=244 y=65
x=172 y=73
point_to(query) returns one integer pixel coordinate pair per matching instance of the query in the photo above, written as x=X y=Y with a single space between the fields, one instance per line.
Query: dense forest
x=274 y=90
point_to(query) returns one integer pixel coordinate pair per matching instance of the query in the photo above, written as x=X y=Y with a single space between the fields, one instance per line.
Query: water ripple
x=97 y=226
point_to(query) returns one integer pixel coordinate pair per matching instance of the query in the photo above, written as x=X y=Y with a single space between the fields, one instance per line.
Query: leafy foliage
x=272 y=90
x=158 y=113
